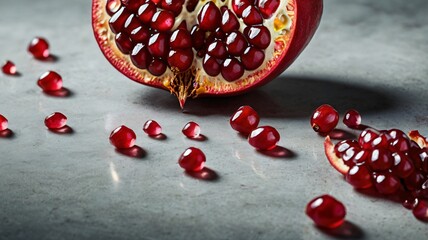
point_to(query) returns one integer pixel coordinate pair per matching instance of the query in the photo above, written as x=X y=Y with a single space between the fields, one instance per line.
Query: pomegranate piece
x=352 y=119
x=50 y=81
x=3 y=123
x=209 y=17
x=152 y=128
x=359 y=177
x=324 y=119
x=123 y=137
x=192 y=159
x=268 y=7
x=9 y=68
x=326 y=211
x=56 y=120
x=264 y=138
x=334 y=160
x=191 y=130
x=245 y=120
x=420 y=211
x=39 y=48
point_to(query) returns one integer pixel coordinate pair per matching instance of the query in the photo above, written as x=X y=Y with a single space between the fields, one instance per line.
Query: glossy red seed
x=420 y=211
x=158 y=45
x=56 y=120
x=124 y=43
x=198 y=37
x=387 y=183
x=268 y=7
x=211 y=65
x=366 y=137
x=264 y=138
x=324 y=119
x=258 y=36
x=341 y=147
x=359 y=177
x=209 y=17
x=409 y=202
x=50 y=81
x=180 y=39
x=361 y=157
x=152 y=128
x=39 y=48
x=232 y=69
x=123 y=137
x=238 y=6
x=217 y=49
x=117 y=21
x=146 y=11
x=236 y=43
x=381 y=159
x=191 y=130
x=9 y=68
x=396 y=134
x=400 y=144
x=192 y=159
x=112 y=6
x=252 y=16
x=414 y=181
x=252 y=58
x=180 y=59
x=131 y=24
x=229 y=22
x=403 y=166
x=245 y=120
x=352 y=119
x=133 y=5
x=162 y=21
x=157 y=67
x=382 y=141
x=174 y=6
x=326 y=211
x=349 y=155
x=3 y=123
x=140 y=56
x=140 y=35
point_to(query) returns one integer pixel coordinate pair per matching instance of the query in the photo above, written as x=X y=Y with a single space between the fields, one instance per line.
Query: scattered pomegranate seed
x=324 y=119
x=326 y=211
x=39 y=48
x=192 y=159
x=123 y=137
x=9 y=68
x=56 y=120
x=403 y=166
x=50 y=81
x=191 y=130
x=264 y=138
x=245 y=120
x=352 y=119
x=420 y=211
x=152 y=128
x=3 y=123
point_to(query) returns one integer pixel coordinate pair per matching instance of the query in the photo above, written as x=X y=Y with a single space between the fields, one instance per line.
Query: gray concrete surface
x=369 y=55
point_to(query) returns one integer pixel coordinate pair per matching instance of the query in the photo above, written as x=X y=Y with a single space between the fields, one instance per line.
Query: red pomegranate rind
x=336 y=162
x=418 y=138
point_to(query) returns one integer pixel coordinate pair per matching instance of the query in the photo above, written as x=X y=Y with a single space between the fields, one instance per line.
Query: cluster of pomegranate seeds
x=264 y=138
x=192 y=159
x=3 y=123
x=326 y=211
x=152 y=128
x=56 y=120
x=50 y=81
x=191 y=130
x=39 y=48
x=9 y=68
x=324 y=119
x=123 y=137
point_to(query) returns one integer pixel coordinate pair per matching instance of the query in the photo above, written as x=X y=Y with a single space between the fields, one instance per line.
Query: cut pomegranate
x=352 y=119
x=324 y=119
x=123 y=137
x=39 y=48
x=56 y=120
x=191 y=130
x=264 y=138
x=3 y=123
x=249 y=42
x=9 y=68
x=245 y=120
x=152 y=128
x=326 y=211
x=418 y=138
x=50 y=81
x=192 y=159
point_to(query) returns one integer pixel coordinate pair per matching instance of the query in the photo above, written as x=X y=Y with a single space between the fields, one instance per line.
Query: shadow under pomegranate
x=7 y=134
x=133 y=152
x=347 y=230
x=278 y=152
x=205 y=174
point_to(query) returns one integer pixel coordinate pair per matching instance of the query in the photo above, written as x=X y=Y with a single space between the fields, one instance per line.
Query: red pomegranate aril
x=359 y=177
x=387 y=183
x=252 y=16
x=56 y=120
x=236 y=43
x=209 y=17
x=264 y=138
x=238 y=6
x=180 y=39
x=172 y=5
x=268 y=7
x=157 y=67
x=324 y=119
x=39 y=48
x=50 y=81
x=9 y=68
x=123 y=137
x=198 y=37
x=217 y=49
x=140 y=56
x=381 y=159
x=124 y=43
x=420 y=211
x=361 y=157
x=400 y=144
x=211 y=65
x=140 y=35
x=252 y=58
x=403 y=166
x=258 y=36
x=162 y=21
x=152 y=128
x=112 y=6
x=352 y=119
x=158 y=45
x=180 y=59
x=117 y=21
x=191 y=130
x=326 y=211
x=341 y=147
x=245 y=120
x=229 y=22
x=3 y=123
x=131 y=23
x=349 y=155
x=409 y=202
x=382 y=141
x=133 y=5
x=366 y=137
x=396 y=133
x=192 y=159
x=232 y=69
x=414 y=181
x=146 y=11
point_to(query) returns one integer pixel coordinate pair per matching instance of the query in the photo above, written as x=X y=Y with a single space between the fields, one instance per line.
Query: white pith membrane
x=196 y=81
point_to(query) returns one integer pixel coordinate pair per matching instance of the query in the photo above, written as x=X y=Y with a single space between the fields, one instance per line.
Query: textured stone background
x=369 y=55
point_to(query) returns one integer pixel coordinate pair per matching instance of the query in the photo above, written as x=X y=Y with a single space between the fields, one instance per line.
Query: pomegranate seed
x=124 y=43
x=209 y=17
x=180 y=59
x=386 y=183
x=420 y=211
x=352 y=119
x=326 y=211
x=140 y=56
x=349 y=155
x=192 y=159
x=264 y=138
x=180 y=38
x=198 y=37
x=211 y=65
x=341 y=147
x=245 y=120
x=381 y=159
x=236 y=43
x=403 y=166
x=232 y=69
x=252 y=58
x=172 y=5
x=359 y=177
x=258 y=36
x=217 y=49
x=382 y=141
x=3 y=123
x=131 y=23
x=39 y=48
x=414 y=181
x=50 y=81
x=238 y=6
x=123 y=137
x=324 y=119
x=141 y=34
x=56 y=120
x=361 y=157
x=118 y=20
x=112 y=6
x=162 y=21
x=396 y=133
x=191 y=130
x=229 y=22
x=366 y=137
x=268 y=7
x=252 y=16
x=157 y=67
x=410 y=202
x=133 y=5
x=9 y=68
x=152 y=128
x=146 y=11
x=400 y=144
x=158 y=45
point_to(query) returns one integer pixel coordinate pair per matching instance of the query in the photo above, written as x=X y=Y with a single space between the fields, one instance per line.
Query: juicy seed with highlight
x=229 y=22
x=39 y=48
x=324 y=119
x=236 y=43
x=326 y=211
x=140 y=56
x=258 y=36
x=162 y=21
x=252 y=58
x=238 y=6
x=123 y=137
x=180 y=59
x=245 y=120
x=3 y=123
x=191 y=130
x=192 y=159
x=352 y=119
x=211 y=65
x=146 y=11
x=359 y=177
x=268 y=7
x=252 y=16
x=56 y=120
x=209 y=17
x=50 y=81
x=157 y=67
x=232 y=69
x=264 y=138
x=152 y=128
x=9 y=68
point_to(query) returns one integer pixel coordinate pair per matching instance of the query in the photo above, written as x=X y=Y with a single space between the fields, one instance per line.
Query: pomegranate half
x=203 y=48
